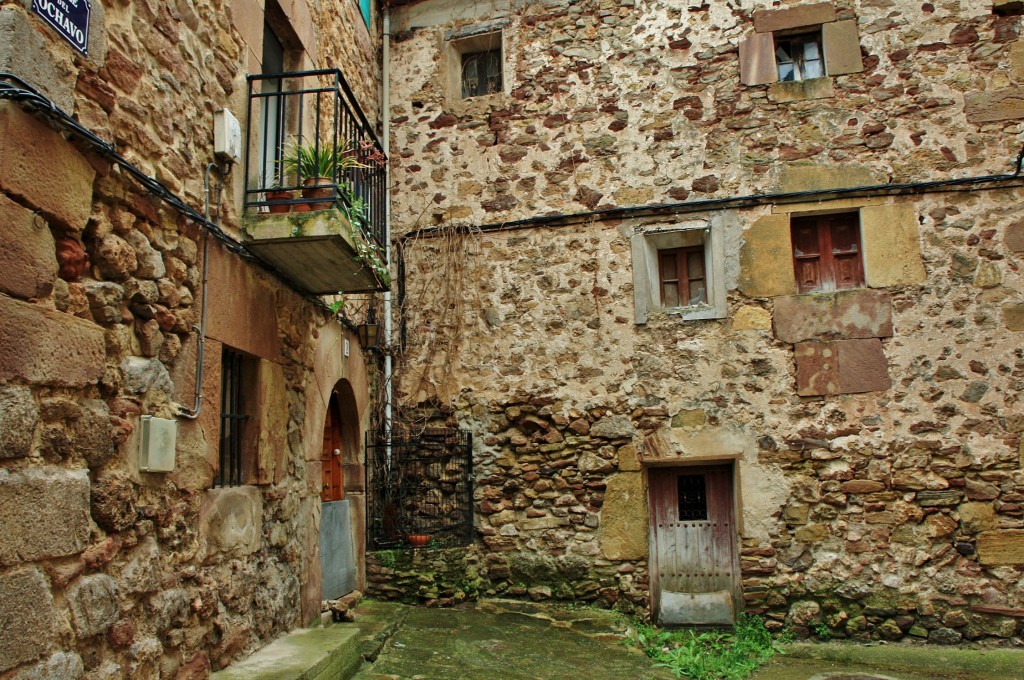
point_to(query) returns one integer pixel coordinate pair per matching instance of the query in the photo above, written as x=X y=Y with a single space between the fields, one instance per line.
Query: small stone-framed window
x=827 y=252
x=476 y=61
x=679 y=270
x=810 y=37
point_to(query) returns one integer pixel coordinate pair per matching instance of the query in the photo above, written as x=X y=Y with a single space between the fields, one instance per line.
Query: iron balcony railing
x=306 y=130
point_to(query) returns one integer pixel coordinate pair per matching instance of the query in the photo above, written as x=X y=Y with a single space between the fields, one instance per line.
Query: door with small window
x=695 y=576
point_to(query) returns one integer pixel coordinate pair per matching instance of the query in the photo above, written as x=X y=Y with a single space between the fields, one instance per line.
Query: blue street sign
x=70 y=18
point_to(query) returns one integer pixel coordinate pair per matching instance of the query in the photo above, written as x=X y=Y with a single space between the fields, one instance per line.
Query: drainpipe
x=193 y=413
x=388 y=365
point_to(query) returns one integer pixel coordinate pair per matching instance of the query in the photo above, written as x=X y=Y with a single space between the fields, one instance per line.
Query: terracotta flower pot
x=279 y=195
x=319 y=187
x=419 y=540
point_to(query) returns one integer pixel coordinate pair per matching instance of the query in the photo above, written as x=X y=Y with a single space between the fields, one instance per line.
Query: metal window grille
x=419 y=484
x=481 y=73
x=232 y=418
x=693 y=498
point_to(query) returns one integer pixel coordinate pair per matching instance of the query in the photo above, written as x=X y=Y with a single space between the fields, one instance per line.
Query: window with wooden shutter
x=683 y=279
x=827 y=252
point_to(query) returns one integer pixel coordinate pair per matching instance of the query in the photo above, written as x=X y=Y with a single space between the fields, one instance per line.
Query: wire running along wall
x=419 y=484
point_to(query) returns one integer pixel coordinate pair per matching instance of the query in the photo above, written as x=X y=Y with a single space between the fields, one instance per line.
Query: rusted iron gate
x=419 y=484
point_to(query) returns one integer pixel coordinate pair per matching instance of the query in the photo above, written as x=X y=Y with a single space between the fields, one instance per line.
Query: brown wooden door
x=694 y=559
x=330 y=458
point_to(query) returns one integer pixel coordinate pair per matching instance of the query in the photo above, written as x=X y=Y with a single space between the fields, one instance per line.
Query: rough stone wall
x=106 y=571
x=884 y=506
x=614 y=103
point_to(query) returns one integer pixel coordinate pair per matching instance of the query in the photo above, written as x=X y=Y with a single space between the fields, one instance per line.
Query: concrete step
x=332 y=652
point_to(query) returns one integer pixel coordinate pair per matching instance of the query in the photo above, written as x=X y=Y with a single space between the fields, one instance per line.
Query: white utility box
x=227 y=137
x=157 y=443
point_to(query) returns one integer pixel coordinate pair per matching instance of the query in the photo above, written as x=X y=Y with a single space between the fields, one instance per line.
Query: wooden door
x=695 y=576
x=330 y=458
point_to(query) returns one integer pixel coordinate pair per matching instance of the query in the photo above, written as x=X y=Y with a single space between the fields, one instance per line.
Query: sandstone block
x=62 y=666
x=814 y=177
x=750 y=318
x=994 y=105
x=766 y=258
x=94 y=604
x=28 y=264
x=32 y=150
x=841 y=367
x=624 y=521
x=977 y=517
x=26 y=617
x=842 y=315
x=45 y=347
x=858 y=486
x=629 y=459
x=1014 y=237
x=766 y=20
x=613 y=427
x=1003 y=546
x=232 y=521
x=18 y=418
x=939 y=498
x=892 y=250
x=23 y=51
x=1013 y=317
x=812 y=533
x=44 y=512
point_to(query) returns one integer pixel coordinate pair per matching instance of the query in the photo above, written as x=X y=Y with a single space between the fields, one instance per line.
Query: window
x=799 y=43
x=475 y=60
x=680 y=271
x=481 y=73
x=365 y=9
x=237 y=375
x=827 y=252
x=799 y=57
x=272 y=113
x=693 y=498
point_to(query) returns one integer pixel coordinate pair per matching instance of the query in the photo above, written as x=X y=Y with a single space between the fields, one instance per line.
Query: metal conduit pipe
x=193 y=413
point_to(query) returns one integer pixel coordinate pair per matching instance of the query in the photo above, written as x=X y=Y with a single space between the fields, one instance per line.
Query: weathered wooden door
x=333 y=488
x=695 y=574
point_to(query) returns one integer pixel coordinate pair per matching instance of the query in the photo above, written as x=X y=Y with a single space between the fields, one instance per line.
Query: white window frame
x=645 y=244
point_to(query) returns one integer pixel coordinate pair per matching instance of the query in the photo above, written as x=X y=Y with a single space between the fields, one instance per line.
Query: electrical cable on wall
x=15 y=89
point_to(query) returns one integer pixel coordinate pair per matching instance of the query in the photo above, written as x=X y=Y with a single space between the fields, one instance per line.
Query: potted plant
x=318 y=166
x=276 y=197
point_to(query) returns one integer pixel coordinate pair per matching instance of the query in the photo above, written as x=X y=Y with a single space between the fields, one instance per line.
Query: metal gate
x=419 y=489
x=695 y=562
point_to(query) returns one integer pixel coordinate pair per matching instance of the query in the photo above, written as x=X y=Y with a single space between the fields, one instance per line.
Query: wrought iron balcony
x=311 y=149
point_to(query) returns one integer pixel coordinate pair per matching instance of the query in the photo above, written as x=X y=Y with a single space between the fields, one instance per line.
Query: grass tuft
x=709 y=654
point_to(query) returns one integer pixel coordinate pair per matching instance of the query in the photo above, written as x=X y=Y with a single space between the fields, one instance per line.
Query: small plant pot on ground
x=419 y=540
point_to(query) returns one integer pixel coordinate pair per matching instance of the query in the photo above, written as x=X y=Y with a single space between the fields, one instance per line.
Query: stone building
x=730 y=295
x=152 y=529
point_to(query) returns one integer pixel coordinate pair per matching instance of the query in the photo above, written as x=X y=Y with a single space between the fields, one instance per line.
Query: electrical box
x=227 y=137
x=157 y=443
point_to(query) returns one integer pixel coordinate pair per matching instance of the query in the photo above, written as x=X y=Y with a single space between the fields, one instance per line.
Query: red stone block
x=843 y=315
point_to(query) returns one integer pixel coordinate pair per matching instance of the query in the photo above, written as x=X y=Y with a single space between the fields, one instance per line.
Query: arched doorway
x=341 y=475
